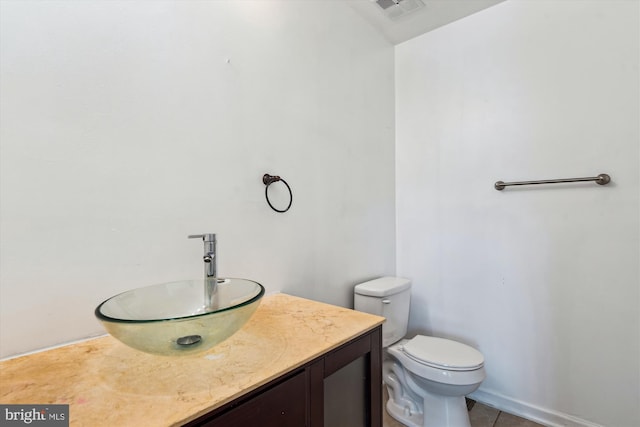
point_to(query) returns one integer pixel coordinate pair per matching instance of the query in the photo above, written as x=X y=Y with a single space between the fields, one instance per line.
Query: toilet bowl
x=427 y=377
x=441 y=380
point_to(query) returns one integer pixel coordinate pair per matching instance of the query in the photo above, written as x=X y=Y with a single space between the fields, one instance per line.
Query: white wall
x=124 y=129
x=544 y=281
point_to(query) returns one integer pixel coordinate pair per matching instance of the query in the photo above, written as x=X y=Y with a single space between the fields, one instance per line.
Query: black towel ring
x=270 y=179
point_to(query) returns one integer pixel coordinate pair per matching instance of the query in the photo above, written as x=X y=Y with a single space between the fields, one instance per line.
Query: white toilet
x=427 y=377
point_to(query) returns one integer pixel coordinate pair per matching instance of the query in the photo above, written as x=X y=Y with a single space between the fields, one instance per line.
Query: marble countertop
x=108 y=384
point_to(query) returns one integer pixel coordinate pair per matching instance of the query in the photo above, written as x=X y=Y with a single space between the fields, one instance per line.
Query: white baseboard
x=544 y=416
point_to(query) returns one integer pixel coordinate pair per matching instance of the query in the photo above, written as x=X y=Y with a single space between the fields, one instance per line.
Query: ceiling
x=434 y=14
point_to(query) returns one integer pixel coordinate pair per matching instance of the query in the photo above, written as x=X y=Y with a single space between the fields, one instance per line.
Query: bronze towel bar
x=601 y=179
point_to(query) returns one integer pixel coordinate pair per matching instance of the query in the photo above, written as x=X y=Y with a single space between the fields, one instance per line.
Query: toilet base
x=404 y=415
x=450 y=412
x=446 y=411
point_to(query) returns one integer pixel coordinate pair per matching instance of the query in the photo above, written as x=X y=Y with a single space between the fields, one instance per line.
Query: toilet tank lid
x=383 y=286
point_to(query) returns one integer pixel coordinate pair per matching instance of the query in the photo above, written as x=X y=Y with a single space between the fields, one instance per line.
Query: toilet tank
x=389 y=297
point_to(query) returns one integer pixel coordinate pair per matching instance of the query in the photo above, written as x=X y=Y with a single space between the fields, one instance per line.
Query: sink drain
x=189 y=340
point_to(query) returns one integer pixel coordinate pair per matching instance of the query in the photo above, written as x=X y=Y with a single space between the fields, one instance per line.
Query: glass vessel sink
x=173 y=318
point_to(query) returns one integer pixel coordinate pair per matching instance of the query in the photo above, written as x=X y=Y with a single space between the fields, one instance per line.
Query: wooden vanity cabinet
x=296 y=399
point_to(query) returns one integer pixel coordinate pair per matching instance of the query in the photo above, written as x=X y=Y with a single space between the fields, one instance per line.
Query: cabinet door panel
x=345 y=396
x=283 y=405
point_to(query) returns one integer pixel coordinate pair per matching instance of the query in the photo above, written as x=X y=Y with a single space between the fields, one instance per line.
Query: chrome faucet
x=209 y=258
x=210 y=268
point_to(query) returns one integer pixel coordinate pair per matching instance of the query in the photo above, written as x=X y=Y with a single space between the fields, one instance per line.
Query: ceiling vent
x=394 y=9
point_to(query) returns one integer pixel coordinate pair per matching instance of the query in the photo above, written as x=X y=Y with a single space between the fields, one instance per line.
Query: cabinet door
x=283 y=405
x=352 y=380
x=345 y=396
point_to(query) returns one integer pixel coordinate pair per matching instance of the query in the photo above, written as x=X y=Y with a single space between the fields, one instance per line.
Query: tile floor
x=479 y=415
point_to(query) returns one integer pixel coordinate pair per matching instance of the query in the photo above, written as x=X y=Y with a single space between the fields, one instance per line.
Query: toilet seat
x=442 y=353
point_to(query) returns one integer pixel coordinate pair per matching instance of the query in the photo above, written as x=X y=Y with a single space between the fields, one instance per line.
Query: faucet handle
x=208 y=237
